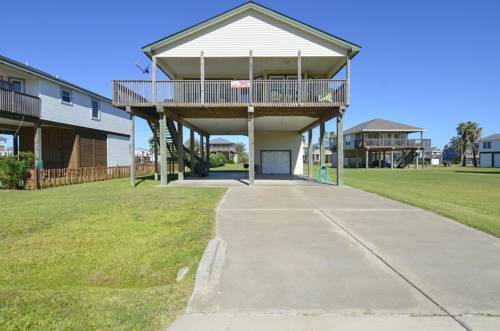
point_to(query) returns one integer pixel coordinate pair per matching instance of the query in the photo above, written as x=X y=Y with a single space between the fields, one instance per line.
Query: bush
x=217 y=160
x=14 y=170
x=230 y=162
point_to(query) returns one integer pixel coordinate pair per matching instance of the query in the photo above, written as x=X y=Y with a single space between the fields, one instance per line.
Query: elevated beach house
x=381 y=143
x=65 y=125
x=225 y=147
x=249 y=71
x=489 y=151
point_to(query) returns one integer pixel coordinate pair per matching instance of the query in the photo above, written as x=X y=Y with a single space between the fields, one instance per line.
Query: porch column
x=208 y=154
x=180 y=151
x=15 y=143
x=310 y=160
x=202 y=153
x=250 y=77
x=392 y=159
x=155 y=147
x=299 y=77
x=367 y=158
x=202 y=78
x=251 y=147
x=132 y=147
x=322 y=143
x=38 y=145
x=163 y=147
x=379 y=154
x=153 y=81
x=192 y=155
x=340 y=148
x=416 y=160
x=348 y=78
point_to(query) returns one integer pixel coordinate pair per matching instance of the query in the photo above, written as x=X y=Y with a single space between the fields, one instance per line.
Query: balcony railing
x=13 y=102
x=227 y=93
x=388 y=142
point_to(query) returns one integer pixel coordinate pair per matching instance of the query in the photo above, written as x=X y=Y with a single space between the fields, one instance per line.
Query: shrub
x=230 y=162
x=14 y=170
x=217 y=160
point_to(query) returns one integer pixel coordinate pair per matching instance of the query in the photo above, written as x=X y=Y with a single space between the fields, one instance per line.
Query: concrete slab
x=195 y=322
x=482 y=323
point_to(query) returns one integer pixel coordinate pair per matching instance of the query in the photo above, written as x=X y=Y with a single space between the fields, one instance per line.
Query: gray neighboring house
x=65 y=125
x=380 y=143
x=226 y=147
x=432 y=155
x=489 y=151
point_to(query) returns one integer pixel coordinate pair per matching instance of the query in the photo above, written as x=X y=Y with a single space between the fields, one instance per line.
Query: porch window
x=66 y=96
x=96 y=110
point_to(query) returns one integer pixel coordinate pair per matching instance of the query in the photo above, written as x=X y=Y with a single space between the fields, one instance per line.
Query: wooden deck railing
x=13 y=102
x=47 y=178
x=227 y=93
x=388 y=142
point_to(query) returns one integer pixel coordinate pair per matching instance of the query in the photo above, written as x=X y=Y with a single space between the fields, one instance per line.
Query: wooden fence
x=46 y=178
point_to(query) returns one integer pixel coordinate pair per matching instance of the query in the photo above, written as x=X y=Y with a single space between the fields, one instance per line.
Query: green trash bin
x=323 y=176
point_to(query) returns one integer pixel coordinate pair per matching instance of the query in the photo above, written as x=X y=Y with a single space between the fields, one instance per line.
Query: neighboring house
x=4 y=149
x=65 y=125
x=489 y=151
x=316 y=155
x=382 y=143
x=432 y=155
x=226 y=147
x=249 y=71
x=143 y=155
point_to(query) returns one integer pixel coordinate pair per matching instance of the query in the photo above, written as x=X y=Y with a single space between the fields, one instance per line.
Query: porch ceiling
x=240 y=125
x=231 y=68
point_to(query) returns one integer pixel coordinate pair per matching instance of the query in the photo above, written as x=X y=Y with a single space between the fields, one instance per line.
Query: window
x=96 y=110
x=17 y=84
x=486 y=144
x=66 y=96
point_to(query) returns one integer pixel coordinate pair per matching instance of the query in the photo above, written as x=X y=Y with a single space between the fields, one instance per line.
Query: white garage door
x=276 y=162
x=485 y=160
x=497 y=160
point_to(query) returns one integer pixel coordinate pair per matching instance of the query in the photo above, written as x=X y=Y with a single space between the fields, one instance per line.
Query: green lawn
x=468 y=195
x=230 y=167
x=101 y=255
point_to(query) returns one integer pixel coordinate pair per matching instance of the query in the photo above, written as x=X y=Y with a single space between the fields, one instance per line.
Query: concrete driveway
x=318 y=257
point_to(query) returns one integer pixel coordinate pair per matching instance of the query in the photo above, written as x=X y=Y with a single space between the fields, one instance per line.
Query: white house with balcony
x=249 y=71
x=65 y=125
x=489 y=151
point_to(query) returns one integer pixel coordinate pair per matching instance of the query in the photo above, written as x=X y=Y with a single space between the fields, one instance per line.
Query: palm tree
x=457 y=144
x=463 y=135
x=239 y=148
x=474 y=134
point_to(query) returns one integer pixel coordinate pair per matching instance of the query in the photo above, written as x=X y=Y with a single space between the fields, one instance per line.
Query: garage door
x=485 y=160
x=276 y=162
x=497 y=160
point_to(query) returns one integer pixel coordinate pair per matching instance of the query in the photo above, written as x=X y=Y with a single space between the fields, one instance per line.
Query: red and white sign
x=240 y=84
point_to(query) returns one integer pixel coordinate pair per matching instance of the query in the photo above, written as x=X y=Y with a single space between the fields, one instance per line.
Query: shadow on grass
x=478 y=172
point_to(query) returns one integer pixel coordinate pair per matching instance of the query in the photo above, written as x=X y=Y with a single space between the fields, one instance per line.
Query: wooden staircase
x=406 y=158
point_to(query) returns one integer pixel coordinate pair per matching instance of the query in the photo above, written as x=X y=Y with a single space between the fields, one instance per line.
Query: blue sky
x=427 y=63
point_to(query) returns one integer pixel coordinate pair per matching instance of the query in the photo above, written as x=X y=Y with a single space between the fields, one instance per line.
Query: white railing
x=227 y=93
x=388 y=142
x=13 y=102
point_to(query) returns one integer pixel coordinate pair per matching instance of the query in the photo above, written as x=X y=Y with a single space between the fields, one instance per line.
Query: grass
x=100 y=255
x=230 y=167
x=468 y=195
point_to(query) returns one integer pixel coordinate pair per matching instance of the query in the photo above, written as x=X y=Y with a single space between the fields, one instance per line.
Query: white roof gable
x=251 y=30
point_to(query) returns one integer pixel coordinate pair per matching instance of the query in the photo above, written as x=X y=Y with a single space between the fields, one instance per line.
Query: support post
x=180 y=151
x=153 y=81
x=392 y=159
x=322 y=143
x=251 y=147
x=340 y=148
x=15 y=143
x=192 y=155
x=299 y=77
x=250 y=77
x=202 y=78
x=348 y=78
x=132 y=147
x=310 y=160
x=38 y=145
x=163 y=147
x=155 y=147
x=367 y=163
x=208 y=154
x=202 y=152
x=379 y=156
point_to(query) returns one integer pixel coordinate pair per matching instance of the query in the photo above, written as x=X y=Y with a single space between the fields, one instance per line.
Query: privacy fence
x=46 y=178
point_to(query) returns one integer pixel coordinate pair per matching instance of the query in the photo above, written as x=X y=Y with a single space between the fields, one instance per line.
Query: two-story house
x=225 y=147
x=381 y=143
x=489 y=151
x=249 y=71
x=65 y=125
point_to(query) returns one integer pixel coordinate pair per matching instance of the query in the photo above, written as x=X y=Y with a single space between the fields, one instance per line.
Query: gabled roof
x=381 y=125
x=148 y=49
x=221 y=141
x=491 y=137
x=34 y=71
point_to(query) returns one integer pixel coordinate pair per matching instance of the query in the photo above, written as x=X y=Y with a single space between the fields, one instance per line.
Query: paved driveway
x=317 y=257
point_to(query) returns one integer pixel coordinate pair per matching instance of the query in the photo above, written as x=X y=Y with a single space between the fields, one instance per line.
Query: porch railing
x=227 y=93
x=388 y=142
x=13 y=102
